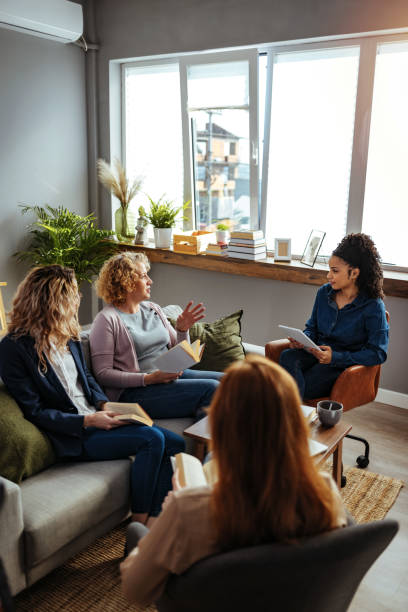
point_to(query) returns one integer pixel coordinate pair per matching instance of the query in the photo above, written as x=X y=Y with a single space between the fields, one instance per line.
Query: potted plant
x=222 y=232
x=162 y=216
x=59 y=236
x=116 y=182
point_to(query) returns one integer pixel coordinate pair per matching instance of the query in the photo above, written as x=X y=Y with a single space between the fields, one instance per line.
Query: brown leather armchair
x=356 y=386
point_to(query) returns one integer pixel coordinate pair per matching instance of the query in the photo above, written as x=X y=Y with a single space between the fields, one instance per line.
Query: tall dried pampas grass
x=116 y=181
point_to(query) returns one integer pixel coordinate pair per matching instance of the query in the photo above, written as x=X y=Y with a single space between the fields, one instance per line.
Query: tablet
x=298 y=335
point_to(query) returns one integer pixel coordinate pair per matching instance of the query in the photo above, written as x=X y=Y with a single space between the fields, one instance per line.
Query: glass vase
x=125 y=222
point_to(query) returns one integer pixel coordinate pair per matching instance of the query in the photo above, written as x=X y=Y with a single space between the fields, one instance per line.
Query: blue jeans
x=184 y=397
x=151 y=470
x=314 y=379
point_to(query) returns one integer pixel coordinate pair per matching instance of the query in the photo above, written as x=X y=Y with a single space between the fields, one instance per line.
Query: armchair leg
x=362 y=460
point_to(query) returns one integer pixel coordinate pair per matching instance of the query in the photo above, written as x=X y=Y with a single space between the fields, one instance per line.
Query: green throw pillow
x=24 y=450
x=223 y=342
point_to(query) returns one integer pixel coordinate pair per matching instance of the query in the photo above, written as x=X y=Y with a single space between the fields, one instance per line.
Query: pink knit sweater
x=114 y=360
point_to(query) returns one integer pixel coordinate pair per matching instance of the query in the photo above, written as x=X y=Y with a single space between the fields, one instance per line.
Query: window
x=311 y=137
x=223 y=123
x=329 y=122
x=386 y=192
x=153 y=138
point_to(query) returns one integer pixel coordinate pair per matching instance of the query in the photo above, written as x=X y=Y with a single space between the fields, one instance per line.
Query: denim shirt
x=356 y=333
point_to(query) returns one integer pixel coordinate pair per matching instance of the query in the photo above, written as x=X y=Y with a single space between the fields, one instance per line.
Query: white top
x=64 y=366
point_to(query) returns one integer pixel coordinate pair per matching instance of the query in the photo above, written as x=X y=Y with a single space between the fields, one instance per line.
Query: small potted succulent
x=222 y=233
x=162 y=216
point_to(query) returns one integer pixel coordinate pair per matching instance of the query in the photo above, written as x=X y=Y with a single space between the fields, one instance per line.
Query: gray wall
x=267 y=303
x=127 y=29
x=43 y=153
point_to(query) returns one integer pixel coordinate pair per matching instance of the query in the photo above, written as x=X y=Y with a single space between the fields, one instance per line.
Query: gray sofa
x=54 y=514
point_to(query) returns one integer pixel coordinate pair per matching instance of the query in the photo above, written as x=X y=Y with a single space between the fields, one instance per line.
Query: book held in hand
x=131 y=413
x=182 y=356
x=191 y=472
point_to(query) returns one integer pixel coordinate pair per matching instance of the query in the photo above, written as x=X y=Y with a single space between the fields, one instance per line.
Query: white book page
x=125 y=408
x=191 y=473
x=316 y=448
x=175 y=360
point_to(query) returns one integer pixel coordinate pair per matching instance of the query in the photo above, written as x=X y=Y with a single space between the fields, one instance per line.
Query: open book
x=129 y=413
x=182 y=356
x=191 y=472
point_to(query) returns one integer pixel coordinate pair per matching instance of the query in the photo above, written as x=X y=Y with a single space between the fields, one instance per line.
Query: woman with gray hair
x=130 y=333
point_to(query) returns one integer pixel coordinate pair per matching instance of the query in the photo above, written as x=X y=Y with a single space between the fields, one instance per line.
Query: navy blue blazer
x=42 y=398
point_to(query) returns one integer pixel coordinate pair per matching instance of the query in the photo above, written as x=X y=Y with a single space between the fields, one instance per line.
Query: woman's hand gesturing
x=190 y=316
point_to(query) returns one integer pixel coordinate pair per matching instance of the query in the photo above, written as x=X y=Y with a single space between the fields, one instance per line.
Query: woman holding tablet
x=348 y=320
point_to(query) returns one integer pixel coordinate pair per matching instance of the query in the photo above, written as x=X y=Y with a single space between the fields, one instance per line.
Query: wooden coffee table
x=332 y=437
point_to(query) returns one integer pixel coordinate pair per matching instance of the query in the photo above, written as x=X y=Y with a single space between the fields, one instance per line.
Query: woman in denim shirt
x=348 y=320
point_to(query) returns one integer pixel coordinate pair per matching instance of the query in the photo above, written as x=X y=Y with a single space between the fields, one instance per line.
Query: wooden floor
x=385 y=587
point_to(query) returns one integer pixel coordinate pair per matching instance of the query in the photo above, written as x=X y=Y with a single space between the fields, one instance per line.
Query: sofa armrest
x=274 y=348
x=11 y=535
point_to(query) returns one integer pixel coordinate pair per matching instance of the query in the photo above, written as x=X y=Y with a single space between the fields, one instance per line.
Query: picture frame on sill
x=312 y=247
x=283 y=249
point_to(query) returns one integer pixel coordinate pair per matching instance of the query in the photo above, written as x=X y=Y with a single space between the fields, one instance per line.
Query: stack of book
x=247 y=244
x=219 y=249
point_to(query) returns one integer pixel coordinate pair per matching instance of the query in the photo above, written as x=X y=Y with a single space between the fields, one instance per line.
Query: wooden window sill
x=395 y=283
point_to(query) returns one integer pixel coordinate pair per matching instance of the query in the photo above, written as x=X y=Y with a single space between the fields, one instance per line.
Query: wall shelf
x=395 y=283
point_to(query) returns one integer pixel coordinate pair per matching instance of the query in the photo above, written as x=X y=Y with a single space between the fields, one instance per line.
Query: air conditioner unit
x=59 y=20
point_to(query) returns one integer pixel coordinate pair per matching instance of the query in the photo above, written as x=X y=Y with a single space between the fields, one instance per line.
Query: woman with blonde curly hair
x=131 y=332
x=268 y=489
x=43 y=367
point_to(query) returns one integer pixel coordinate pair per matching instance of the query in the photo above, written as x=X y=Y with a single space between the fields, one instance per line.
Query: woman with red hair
x=268 y=487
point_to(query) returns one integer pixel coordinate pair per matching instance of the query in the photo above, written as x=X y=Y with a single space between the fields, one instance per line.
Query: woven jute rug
x=90 y=582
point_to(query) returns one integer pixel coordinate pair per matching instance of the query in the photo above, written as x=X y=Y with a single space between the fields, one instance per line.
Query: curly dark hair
x=359 y=251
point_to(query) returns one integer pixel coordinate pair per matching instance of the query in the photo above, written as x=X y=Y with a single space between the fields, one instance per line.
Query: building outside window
x=288 y=138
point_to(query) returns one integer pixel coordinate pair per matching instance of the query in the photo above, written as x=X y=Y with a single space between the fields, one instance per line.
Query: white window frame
x=368 y=43
x=249 y=55
x=362 y=122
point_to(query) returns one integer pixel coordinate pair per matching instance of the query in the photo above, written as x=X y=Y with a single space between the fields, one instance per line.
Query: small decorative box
x=192 y=242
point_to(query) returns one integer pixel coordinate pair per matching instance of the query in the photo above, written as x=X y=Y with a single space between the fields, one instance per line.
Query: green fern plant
x=162 y=213
x=59 y=236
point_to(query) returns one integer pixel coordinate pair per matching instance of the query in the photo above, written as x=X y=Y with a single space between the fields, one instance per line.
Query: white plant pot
x=162 y=237
x=222 y=235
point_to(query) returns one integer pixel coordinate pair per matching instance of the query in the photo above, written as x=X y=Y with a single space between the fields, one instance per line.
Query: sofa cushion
x=24 y=449
x=62 y=503
x=223 y=342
